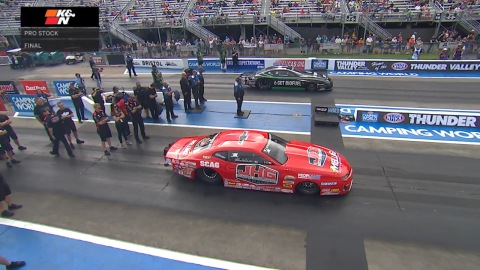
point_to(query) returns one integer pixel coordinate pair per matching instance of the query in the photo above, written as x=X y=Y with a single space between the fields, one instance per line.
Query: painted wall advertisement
x=23 y=103
x=8 y=87
x=407 y=65
x=31 y=87
x=61 y=87
x=319 y=64
x=298 y=64
x=419 y=118
x=244 y=65
x=160 y=63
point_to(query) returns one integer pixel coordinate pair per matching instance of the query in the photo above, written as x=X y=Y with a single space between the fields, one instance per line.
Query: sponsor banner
x=329 y=46
x=61 y=87
x=8 y=87
x=411 y=132
x=406 y=66
x=23 y=103
x=98 y=60
x=160 y=63
x=244 y=65
x=418 y=118
x=291 y=62
x=319 y=64
x=31 y=87
x=273 y=47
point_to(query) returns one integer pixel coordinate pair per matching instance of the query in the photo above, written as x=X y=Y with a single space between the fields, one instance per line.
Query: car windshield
x=275 y=148
x=205 y=142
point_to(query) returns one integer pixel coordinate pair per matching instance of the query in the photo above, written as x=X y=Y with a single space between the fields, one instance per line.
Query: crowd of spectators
x=304 y=7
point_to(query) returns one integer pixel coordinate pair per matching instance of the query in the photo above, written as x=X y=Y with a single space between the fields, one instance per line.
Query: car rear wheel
x=311 y=87
x=308 y=188
x=264 y=84
x=209 y=175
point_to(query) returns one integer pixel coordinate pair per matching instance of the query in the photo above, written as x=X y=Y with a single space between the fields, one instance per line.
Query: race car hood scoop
x=181 y=147
x=313 y=157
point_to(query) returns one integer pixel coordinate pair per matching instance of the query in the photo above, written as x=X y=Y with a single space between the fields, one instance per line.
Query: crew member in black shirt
x=40 y=106
x=141 y=93
x=201 y=86
x=135 y=112
x=121 y=125
x=98 y=98
x=66 y=115
x=187 y=92
x=168 y=99
x=6 y=149
x=57 y=131
x=92 y=66
x=130 y=65
x=152 y=102
x=76 y=96
x=6 y=122
x=103 y=130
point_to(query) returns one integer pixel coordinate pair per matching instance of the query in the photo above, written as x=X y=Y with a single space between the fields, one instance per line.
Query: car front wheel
x=308 y=188
x=208 y=175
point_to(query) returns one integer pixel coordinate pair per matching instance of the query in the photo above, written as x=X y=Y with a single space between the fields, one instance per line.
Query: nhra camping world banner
x=407 y=65
x=8 y=87
x=61 y=87
x=31 y=87
x=23 y=103
x=244 y=65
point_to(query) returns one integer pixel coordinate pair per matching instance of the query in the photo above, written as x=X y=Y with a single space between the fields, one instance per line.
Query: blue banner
x=243 y=65
x=23 y=103
x=319 y=64
x=62 y=87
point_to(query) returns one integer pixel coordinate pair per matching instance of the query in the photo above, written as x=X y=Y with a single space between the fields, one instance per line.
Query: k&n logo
x=58 y=16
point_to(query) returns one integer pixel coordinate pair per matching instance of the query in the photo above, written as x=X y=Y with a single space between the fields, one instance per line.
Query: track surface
x=413 y=205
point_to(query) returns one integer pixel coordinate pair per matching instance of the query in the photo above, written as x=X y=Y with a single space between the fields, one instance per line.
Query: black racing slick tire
x=308 y=188
x=208 y=175
x=264 y=84
x=311 y=87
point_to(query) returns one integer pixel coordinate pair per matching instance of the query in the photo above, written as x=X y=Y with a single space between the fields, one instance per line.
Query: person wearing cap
x=57 y=129
x=66 y=115
x=97 y=96
x=76 y=96
x=168 y=100
x=187 y=92
x=130 y=65
x=40 y=106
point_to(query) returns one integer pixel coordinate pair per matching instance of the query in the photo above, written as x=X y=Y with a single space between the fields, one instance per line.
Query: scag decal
x=209 y=164
x=257 y=174
x=309 y=176
x=316 y=156
x=334 y=162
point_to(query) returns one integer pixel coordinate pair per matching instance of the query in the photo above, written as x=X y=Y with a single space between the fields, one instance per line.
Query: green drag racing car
x=282 y=77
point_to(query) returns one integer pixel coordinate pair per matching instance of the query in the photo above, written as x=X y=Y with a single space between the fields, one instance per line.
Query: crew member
x=76 y=96
x=168 y=100
x=6 y=149
x=235 y=58
x=121 y=125
x=56 y=128
x=152 y=102
x=5 y=193
x=135 y=111
x=97 y=76
x=103 y=130
x=66 y=115
x=199 y=59
x=157 y=76
x=121 y=101
x=6 y=122
x=40 y=106
x=194 y=85
x=80 y=83
x=238 y=93
x=187 y=92
x=130 y=65
x=201 y=85
x=92 y=66
x=141 y=93
x=41 y=94
x=97 y=96
x=11 y=264
x=223 y=60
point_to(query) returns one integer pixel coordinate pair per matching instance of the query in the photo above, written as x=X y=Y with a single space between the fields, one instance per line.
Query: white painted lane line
x=163 y=253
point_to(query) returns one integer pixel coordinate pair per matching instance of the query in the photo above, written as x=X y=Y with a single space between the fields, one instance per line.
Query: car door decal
x=256 y=174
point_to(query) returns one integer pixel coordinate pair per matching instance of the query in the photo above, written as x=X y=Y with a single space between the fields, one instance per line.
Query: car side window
x=291 y=74
x=221 y=155
x=247 y=157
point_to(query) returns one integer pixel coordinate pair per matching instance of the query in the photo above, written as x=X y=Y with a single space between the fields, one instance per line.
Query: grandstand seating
x=220 y=12
x=10 y=13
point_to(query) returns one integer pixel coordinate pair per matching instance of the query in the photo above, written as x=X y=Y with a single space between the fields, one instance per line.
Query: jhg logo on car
x=257 y=174
x=58 y=16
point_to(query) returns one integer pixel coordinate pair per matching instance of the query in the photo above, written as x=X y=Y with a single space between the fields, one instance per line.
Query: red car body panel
x=244 y=160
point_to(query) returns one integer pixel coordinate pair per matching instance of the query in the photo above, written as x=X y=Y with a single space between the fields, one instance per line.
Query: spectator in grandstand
x=103 y=130
x=5 y=122
x=443 y=54
x=11 y=264
x=432 y=42
x=130 y=65
x=66 y=115
x=457 y=54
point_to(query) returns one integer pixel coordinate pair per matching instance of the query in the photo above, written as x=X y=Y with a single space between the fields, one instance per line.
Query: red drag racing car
x=259 y=160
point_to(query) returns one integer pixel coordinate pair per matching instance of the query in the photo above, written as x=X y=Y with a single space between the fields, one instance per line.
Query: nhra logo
x=257 y=174
x=399 y=66
x=316 y=156
x=370 y=117
x=394 y=118
x=58 y=16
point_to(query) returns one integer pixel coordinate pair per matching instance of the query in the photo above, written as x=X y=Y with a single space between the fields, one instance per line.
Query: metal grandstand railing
x=198 y=30
x=125 y=35
x=124 y=9
x=373 y=27
x=282 y=28
x=469 y=23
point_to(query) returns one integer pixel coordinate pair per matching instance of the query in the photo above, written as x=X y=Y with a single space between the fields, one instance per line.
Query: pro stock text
x=41 y=33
